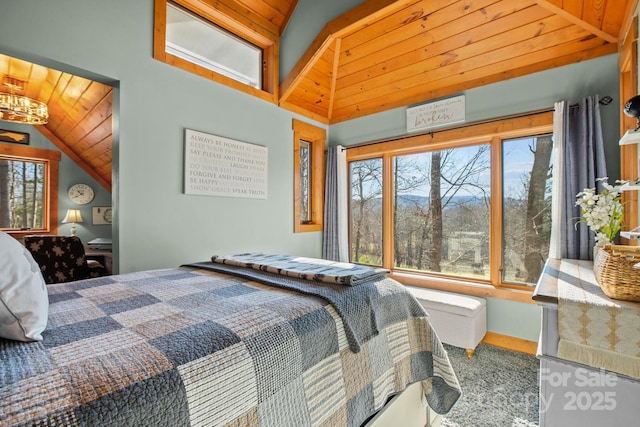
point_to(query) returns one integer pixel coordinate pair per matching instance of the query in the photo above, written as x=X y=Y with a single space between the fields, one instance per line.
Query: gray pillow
x=24 y=302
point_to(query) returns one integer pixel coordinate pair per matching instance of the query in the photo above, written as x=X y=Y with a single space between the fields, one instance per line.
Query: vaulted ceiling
x=80 y=114
x=385 y=54
x=382 y=54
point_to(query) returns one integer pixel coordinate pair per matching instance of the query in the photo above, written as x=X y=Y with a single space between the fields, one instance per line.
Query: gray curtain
x=334 y=238
x=584 y=161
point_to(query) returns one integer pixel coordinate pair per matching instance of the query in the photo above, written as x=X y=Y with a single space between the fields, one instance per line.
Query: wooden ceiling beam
x=296 y=106
x=357 y=18
x=287 y=16
x=627 y=21
x=334 y=76
x=577 y=21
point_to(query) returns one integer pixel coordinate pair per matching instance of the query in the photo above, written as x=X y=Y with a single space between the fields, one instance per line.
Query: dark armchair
x=62 y=258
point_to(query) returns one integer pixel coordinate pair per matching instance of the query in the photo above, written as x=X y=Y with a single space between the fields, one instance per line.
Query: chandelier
x=19 y=108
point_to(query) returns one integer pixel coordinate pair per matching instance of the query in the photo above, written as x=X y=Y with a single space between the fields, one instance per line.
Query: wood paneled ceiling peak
x=80 y=114
x=386 y=54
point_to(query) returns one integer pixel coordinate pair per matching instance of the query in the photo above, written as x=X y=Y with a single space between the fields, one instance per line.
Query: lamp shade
x=73 y=215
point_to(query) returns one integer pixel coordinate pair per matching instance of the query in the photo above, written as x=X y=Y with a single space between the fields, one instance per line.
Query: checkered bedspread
x=191 y=347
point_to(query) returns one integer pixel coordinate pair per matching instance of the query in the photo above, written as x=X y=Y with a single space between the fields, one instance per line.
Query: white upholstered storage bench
x=459 y=320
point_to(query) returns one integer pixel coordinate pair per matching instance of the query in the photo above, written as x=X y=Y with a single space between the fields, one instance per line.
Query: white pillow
x=24 y=301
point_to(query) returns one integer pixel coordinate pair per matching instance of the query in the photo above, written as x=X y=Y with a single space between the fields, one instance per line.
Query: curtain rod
x=606 y=100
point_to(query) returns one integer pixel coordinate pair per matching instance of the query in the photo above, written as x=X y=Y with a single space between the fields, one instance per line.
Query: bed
x=227 y=342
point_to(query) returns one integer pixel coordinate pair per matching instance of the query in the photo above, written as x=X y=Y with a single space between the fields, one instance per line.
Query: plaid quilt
x=361 y=310
x=193 y=347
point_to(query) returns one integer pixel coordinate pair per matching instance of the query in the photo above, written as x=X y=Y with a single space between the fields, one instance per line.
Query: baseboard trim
x=511 y=343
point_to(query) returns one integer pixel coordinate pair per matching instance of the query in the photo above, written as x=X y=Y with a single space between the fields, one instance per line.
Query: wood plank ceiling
x=385 y=54
x=380 y=55
x=80 y=114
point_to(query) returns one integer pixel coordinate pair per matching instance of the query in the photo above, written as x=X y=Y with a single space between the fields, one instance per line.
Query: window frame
x=491 y=132
x=51 y=160
x=226 y=17
x=317 y=138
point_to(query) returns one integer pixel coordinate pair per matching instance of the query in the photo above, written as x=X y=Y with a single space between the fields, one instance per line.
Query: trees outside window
x=441 y=220
x=28 y=189
x=473 y=205
x=527 y=207
x=21 y=194
x=366 y=211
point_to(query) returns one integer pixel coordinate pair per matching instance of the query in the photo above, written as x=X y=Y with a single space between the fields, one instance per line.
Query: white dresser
x=575 y=394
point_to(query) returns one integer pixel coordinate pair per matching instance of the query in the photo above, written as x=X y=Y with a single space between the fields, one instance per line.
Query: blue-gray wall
x=155 y=224
x=305 y=24
x=69 y=173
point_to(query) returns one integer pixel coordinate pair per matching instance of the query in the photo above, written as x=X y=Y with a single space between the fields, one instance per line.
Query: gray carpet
x=499 y=388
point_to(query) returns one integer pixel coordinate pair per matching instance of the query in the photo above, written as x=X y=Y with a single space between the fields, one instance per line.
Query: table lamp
x=73 y=216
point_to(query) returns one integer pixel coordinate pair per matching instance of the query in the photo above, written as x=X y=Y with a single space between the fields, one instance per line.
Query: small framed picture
x=14 y=136
x=101 y=215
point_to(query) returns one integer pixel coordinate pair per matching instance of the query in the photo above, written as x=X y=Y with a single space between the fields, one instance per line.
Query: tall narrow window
x=308 y=176
x=526 y=223
x=305 y=188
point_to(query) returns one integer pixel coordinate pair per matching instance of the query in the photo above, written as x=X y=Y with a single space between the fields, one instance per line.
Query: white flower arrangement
x=603 y=213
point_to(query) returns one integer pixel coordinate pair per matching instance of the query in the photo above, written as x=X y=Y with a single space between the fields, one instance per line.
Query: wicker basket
x=614 y=270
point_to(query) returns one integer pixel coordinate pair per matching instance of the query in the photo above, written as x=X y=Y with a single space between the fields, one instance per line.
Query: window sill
x=465 y=287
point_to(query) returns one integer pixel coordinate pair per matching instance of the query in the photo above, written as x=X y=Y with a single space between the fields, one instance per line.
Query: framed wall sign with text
x=435 y=114
x=218 y=166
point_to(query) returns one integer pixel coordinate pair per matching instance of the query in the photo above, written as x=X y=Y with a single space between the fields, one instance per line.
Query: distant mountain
x=412 y=200
x=409 y=200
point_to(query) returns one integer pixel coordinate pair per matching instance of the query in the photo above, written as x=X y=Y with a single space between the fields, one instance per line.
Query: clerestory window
x=202 y=39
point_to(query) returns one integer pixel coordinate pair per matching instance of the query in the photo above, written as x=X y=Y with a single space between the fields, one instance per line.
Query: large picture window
x=468 y=205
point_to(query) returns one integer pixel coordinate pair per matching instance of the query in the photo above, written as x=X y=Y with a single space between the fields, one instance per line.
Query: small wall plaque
x=101 y=215
x=435 y=114
x=14 y=136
